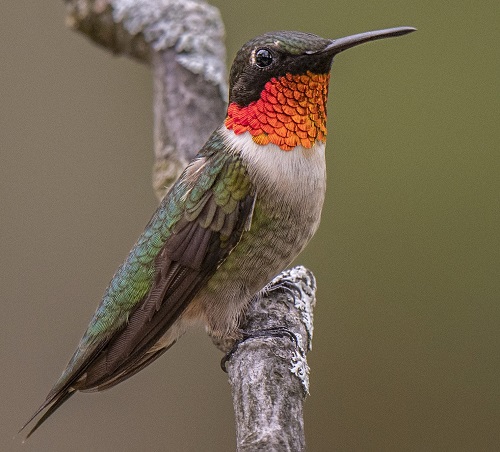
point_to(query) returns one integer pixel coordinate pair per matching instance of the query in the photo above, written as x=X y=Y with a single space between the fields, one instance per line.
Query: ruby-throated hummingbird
x=238 y=215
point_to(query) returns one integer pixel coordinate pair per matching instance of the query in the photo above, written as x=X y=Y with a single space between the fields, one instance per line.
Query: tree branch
x=269 y=376
x=182 y=40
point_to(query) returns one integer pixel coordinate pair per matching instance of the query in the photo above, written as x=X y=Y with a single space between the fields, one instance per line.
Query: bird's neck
x=291 y=111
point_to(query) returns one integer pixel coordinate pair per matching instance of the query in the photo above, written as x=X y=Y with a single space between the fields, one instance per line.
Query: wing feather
x=195 y=228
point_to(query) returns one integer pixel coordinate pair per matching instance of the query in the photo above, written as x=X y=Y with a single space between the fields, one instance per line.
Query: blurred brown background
x=406 y=347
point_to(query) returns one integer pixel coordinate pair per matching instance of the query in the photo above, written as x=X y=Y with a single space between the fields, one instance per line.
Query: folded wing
x=195 y=228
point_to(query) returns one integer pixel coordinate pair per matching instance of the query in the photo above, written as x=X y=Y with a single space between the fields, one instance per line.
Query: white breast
x=298 y=175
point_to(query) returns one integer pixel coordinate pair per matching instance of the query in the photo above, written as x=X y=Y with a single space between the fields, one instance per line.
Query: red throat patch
x=291 y=111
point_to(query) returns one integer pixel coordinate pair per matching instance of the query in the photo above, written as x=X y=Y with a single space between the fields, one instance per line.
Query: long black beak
x=341 y=44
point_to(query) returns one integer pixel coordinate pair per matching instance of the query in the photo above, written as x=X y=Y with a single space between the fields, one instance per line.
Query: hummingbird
x=238 y=215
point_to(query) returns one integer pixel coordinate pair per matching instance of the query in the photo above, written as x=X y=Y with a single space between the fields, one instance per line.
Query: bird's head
x=278 y=85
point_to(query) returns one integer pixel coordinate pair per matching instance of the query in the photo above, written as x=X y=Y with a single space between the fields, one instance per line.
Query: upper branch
x=183 y=40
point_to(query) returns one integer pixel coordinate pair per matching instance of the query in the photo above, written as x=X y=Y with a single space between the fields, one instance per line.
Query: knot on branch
x=192 y=28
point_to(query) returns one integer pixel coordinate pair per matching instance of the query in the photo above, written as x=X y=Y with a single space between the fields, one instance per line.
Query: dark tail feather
x=133 y=369
x=53 y=403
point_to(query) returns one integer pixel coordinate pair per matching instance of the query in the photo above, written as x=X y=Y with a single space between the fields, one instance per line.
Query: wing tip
x=51 y=404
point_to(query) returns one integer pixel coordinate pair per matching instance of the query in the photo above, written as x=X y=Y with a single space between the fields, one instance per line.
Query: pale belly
x=277 y=235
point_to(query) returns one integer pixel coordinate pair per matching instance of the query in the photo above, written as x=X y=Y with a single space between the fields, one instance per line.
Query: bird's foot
x=284 y=286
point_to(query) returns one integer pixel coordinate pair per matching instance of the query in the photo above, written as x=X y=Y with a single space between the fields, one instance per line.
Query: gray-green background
x=407 y=258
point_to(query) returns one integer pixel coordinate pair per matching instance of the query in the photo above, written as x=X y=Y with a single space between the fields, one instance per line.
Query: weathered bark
x=182 y=40
x=269 y=375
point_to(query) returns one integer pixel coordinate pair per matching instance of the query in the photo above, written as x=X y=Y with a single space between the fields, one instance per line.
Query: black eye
x=263 y=57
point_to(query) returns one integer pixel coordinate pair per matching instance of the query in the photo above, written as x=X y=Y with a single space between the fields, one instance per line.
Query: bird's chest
x=291 y=184
x=290 y=188
x=290 y=197
x=294 y=178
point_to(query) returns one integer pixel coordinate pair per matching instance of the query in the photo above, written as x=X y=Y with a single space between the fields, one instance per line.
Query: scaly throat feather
x=291 y=111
